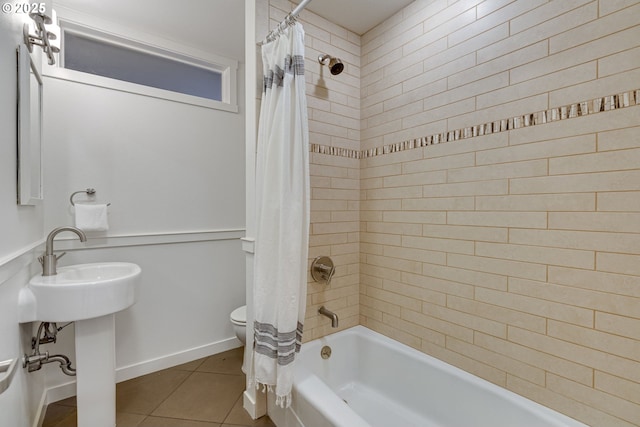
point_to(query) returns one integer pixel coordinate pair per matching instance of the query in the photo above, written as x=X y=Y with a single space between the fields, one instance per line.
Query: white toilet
x=239 y=321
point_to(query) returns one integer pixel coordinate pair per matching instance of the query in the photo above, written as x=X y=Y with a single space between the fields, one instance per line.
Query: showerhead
x=335 y=65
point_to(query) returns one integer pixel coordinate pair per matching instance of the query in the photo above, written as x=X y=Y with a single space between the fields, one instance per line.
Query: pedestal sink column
x=96 y=371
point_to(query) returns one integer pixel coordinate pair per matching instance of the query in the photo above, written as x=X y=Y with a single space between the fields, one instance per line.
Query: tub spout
x=331 y=315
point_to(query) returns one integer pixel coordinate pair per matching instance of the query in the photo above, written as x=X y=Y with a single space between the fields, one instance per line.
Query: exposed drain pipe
x=36 y=360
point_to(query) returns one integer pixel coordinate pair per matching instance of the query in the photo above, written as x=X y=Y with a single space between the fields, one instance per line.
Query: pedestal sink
x=89 y=295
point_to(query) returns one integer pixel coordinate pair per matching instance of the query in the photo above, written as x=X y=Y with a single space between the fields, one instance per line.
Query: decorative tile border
x=594 y=106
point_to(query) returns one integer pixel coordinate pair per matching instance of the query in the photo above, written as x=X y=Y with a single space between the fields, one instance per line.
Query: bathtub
x=373 y=381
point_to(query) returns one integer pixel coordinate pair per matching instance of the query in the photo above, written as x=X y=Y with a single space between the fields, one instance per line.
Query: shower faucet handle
x=322 y=269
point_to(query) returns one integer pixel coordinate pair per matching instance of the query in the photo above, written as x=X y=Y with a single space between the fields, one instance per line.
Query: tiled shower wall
x=514 y=255
x=334 y=121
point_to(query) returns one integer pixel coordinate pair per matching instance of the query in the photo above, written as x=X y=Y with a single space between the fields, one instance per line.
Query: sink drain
x=325 y=353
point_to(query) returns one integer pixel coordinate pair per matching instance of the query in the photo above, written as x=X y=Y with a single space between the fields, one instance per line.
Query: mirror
x=29 y=163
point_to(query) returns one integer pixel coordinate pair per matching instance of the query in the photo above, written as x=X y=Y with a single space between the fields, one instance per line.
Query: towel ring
x=88 y=191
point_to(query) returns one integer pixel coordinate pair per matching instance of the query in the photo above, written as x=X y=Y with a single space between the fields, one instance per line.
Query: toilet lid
x=239 y=314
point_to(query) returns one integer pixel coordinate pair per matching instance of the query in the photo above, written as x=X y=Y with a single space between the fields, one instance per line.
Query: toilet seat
x=239 y=316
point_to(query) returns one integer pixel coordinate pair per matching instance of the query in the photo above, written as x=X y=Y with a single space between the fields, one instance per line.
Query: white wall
x=20 y=229
x=174 y=175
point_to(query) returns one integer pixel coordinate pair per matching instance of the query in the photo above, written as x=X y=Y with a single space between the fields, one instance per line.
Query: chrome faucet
x=49 y=260
x=331 y=315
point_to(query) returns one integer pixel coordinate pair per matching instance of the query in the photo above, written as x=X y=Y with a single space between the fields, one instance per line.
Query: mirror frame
x=29 y=154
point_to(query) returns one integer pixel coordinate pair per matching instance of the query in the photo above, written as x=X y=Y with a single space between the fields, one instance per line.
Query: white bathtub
x=373 y=381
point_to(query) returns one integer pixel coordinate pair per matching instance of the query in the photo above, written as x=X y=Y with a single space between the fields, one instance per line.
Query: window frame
x=228 y=69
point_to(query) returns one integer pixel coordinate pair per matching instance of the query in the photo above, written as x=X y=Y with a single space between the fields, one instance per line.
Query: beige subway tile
x=395 y=299
x=343 y=183
x=392 y=331
x=499 y=219
x=579 y=183
x=369 y=183
x=415 y=217
x=537 y=254
x=539 y=202
x=435 y=32
x=542 y=31
x=486 y=234
x=467 y=320
x=342 y=216
x=498 y=314
x=432 y=114
x=618 y=325
x=594 y=50
x=498 y=361
x=486 y=372
x=507 y=170
x=599 y=360
x=368 y=312
x=328 y=171
x=623 y=61
x=507 y=62
x=328 y=205
x=335 y=119
x=498 y=266
x=434 y=244
x=345 y=248
x=441 y=163
x=584 y=240
x=546 y=83
x=373 y=205
x=438 y=325
x=327 y=239
x=624 y=347
x=320 y=216
x=381 y=171
x=381 y=238
x=486 y=7
x=370 y=248
x=564 y=404
x=475 y=278
x=491 y=90
x=407 y=35
x=381 y=96
x=395 y=263
x=334 y=194
x=392 y=116
x=480 y=188
x=379 y=305
x=327 y=160
x=394 y=193
x=335 y=227
x=407 y=134
x=375 y=216
x=620 y=284
x=589 y=299
x=335 y=294
x=596 y=221
x=595 y=29
x=617 y=386
x=597 y=162
x=416 y=178
x=619 y=139
x=616 y=83
x=415 y=292
x=443 y=72
x=545 y=12
x=417 y=330
x=409 y=96
x=438 y=285
x=538 y=150
x=542 y=360
x=589 y=396
x=618 y=263
x=611 y=6
x=394 y=228
x=383 y=129
x=320 y=182
x=438 y=204
x=536 y=306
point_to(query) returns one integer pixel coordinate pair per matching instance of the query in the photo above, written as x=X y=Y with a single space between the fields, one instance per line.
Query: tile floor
x=202 y=393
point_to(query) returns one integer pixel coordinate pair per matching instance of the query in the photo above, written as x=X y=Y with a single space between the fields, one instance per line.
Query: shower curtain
x=282 y=215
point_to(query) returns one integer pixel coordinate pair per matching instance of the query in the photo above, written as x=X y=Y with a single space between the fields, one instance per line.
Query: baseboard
x=63 y=391
x=143 y=368
x=254 y=403
x=38 y=419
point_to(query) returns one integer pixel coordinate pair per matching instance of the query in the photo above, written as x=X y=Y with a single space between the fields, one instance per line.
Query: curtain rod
x=288 y=20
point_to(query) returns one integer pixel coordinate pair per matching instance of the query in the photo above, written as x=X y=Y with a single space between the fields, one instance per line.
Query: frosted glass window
x=117 y=62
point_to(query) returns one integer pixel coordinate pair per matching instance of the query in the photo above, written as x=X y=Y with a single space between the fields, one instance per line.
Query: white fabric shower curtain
x=282 y=215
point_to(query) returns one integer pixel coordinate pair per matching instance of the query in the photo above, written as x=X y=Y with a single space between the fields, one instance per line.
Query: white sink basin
x=79 y=292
